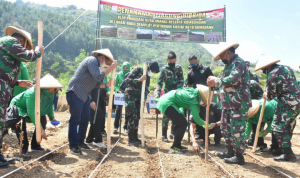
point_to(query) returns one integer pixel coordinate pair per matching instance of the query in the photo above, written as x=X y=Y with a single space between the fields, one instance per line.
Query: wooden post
x=111 y=95
x=258 y=126
x=142 y=105
x=207 y=124
x=37 y=86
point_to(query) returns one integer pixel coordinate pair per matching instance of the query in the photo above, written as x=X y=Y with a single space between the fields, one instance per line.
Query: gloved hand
x=205 y=126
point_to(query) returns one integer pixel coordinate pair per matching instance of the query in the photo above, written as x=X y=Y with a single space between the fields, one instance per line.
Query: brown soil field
x=194 y=37
x=183 y=36
x=164 y=37
x=126 y=161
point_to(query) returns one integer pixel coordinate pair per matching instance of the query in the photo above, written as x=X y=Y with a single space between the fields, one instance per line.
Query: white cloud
x=249 y=51
x=277 y=37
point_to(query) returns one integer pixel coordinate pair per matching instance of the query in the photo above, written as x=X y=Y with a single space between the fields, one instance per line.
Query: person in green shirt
x=253 y=118
x=173 y=104
x=23 y=75
x=119 y=79
x=25 y=103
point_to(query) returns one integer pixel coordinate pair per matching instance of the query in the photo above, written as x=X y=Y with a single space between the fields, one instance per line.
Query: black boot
x=3 y=162
x=131 y=139
x=135 y=136
x=164 y=137
x=227 y=154
x=172 y=135
x=288 y=155
x=276 y=152
x=238 y=158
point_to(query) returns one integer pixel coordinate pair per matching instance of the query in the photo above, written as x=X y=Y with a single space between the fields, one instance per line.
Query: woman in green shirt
x=23 y=75
x=173 y=104
x=25 y=103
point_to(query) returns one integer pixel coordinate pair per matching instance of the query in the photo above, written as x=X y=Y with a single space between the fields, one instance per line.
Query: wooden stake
x=258 y=126
x=110 y=102
x=142 y=105
x=37 y=86
x=207 y=123
x=21 y=143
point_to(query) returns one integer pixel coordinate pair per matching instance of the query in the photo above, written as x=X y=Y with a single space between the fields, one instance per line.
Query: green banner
x=123 y=22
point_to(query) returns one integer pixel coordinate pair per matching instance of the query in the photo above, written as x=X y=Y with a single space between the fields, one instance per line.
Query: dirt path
x=126 y=161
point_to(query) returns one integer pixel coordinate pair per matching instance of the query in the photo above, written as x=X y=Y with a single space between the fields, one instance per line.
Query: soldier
x=15 y=47
x=119 y=79
x=255 y=90
x=235 y=99
x=282 y=83
x=252 y=75
x=133 y=98
x=172 y=76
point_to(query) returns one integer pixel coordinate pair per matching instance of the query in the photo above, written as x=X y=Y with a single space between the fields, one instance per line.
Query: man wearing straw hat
x=86 y=78
x=235 y=100
x=282 y=83
x=25 y=103
x=15 y=47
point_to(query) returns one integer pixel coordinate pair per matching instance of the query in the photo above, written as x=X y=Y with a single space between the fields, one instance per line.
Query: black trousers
x=95 y=123
x=118 y=116
x=216 y=131
x=199 y=129
x=260 y=141
x=34 y=144
x=103 y=109
x=180 y=123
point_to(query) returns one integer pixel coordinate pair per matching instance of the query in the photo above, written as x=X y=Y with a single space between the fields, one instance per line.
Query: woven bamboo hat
x=11 y=30
x=204 y=92
x=223 y=46
x=50 y=82
x=105 y=52
x=254 y=109
x=265 y=61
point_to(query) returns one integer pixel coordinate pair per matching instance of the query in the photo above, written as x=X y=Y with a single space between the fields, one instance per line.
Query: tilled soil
x=127 y=161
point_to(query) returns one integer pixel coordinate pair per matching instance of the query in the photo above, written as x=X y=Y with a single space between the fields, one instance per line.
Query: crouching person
x=25 y=103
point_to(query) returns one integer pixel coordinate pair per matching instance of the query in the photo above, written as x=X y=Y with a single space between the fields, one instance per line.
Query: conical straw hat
x=223 y=46
x=265 y=61
x=204 y=92
x=11 y=30
x=50 y=82
x=105 y=52
x=254 y=109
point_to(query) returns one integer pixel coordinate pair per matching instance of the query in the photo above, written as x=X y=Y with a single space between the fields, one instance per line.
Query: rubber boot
x=228 y=154
x=172 y=135
x=3 y=162
x=131 y=139
x=288 y=155
x=164 y=137
x=238 y=158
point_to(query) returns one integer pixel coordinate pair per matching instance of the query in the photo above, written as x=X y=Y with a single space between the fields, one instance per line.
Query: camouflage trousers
x=233 y=126
x=165 y=122
x=132 y=108
x=5 y=95
x=284 y=123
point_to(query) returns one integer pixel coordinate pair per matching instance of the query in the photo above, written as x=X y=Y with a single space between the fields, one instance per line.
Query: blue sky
x=275 y=21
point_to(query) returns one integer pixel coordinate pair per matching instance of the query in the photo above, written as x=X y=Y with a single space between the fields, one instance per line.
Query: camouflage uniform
x=12 y=53
x=282 y=83
x=133 y=97
x=173 y=79
x=253 y=76
x=255 y=90
x=235 y=100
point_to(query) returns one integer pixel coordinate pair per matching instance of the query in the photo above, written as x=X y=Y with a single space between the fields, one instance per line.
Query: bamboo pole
x=142 y=105
x=37 y=85
x=207 y=123
x=111 y=95
x=258 y=125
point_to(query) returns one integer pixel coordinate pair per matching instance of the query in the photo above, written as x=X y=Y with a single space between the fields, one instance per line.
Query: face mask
x=171 y=64
x=150 y=74
x=225 y=61
x=194 y=66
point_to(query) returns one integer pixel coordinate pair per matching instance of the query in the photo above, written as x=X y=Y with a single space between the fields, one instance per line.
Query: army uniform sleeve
x=160 y=82
x=180 y=78
x=271 y=87
x=255 y=90
x=132 y=77
x=234 y=77
x=17 y=51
